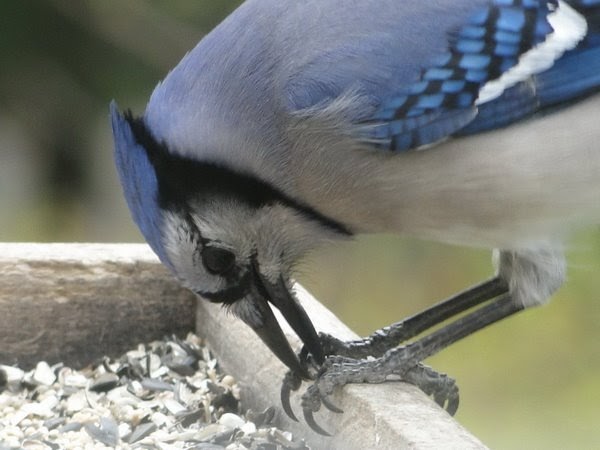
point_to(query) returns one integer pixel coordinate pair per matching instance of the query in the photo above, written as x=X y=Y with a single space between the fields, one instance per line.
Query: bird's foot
x=342 y=370
x=374 y=345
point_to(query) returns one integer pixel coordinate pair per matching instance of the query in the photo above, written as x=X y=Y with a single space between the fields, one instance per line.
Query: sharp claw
x=453 y=405
x=331 y=406
x=291 y=382
x=285 y=402
x=310 y=420
x=439 y=397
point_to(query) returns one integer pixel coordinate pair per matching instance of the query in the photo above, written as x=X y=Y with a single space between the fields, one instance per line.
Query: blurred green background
x=532 y=382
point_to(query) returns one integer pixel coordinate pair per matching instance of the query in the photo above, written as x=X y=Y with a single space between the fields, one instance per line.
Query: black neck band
x=181 y=178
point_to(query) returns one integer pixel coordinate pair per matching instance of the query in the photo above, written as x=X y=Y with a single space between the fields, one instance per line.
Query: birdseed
x=164 y=395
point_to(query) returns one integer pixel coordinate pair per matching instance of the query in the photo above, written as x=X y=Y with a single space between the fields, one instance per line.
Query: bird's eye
x=217 y=260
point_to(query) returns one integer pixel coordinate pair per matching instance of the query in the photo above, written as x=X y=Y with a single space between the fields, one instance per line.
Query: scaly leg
x=405 y=361
x=389 y=337
x=525 y=278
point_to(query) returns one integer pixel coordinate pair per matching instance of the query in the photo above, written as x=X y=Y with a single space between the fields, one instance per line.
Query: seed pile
x=164 y=395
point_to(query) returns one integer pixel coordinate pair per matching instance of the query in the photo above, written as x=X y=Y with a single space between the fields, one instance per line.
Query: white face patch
x=276 y=237
x=569 y=28
x=183 y=250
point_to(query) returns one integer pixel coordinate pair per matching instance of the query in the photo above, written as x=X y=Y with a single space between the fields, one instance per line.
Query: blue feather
x=139 y=183
x=405 y=61
x=488 y=43
x=575 y=74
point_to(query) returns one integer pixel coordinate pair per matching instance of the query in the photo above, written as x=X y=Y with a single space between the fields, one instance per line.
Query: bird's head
x=228 y=236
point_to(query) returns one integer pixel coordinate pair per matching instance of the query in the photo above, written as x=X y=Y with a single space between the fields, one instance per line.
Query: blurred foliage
x=531 y=382
x=62 y=63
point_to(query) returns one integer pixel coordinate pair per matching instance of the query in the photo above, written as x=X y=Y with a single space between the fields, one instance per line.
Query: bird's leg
x=404 y=361
x=351 y=352
x=391 y=336
x=526 y=278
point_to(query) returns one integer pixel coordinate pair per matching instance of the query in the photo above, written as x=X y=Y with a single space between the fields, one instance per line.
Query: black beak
x=269 y=330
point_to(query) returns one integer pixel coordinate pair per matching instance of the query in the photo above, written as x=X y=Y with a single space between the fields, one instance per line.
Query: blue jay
x=296 y=123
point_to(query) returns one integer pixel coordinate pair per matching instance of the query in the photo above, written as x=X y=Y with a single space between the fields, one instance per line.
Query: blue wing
x=421 y=72
x=574 y=75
